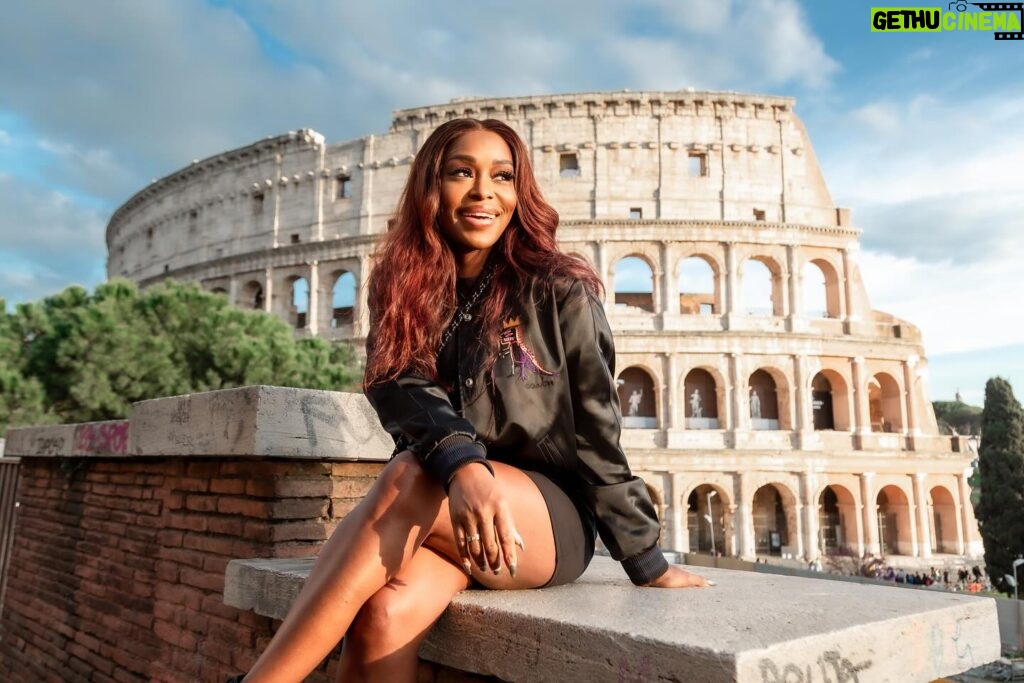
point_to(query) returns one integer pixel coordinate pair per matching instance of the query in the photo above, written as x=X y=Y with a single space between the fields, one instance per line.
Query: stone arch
x=697 y=285
x=830 y=402
x=837 y=520
x=773 y=509
x=703 y=394
x=298 y=301
x=942 y=506
x=821 y=289
x=885 y=403
x=761 y=286
x=633 y=278
x=893 y=521
x=343 y=298
x=704 y=501
x=637 y=398
x=767 y=391
x=252 y=295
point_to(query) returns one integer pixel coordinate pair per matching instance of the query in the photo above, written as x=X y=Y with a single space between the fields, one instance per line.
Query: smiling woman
x=476 y=314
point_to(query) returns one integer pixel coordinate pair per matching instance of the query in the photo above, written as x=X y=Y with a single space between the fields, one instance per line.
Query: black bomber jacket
x=548 y=404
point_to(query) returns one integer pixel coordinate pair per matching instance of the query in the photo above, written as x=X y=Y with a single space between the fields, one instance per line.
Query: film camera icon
x=961 y=6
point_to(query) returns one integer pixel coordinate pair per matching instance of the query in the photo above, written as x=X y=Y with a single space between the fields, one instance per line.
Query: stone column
x=361 y=314
x=740 y=420
x=800 y=403
x=674 y=409
x=268 y=290
x=313 y=305
x=923 y=522
x=912 y=516
x=964 y=510
x=859 y=524
x=910 y=403
x=669 y=291
x=798 y=515
x=602 y=271
x=867 y=495
x=744 y=519
x=795 y=309
x=732 y=306
x=861 y=410
x=847 y=294
x=680 y=532
x=812 y=543
x=233 y=291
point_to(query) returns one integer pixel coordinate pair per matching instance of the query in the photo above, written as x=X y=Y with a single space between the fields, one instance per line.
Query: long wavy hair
x=412 y=287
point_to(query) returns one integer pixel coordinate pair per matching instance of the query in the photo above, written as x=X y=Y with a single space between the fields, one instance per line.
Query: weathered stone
x=749 y=628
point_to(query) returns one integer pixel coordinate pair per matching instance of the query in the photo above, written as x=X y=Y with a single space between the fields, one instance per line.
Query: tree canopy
x=965 y=419
x=1000 y=511
x=76 y=357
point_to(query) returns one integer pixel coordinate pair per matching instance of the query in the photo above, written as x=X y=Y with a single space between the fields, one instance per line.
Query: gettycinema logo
x=1004 y=19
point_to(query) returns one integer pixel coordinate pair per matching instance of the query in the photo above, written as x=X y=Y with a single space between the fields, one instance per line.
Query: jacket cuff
x=646 y=566
x=450 y=454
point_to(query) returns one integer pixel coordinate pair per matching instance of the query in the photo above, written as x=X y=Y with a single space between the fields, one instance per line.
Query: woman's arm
x=419 y=416
x=626 y=518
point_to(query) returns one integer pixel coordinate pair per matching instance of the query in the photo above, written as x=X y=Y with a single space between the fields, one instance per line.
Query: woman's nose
x=483 y=187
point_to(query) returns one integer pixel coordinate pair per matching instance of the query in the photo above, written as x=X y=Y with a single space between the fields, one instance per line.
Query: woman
x=490 y=362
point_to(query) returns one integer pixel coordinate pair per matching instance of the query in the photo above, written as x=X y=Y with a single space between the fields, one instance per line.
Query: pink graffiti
x=102 y=438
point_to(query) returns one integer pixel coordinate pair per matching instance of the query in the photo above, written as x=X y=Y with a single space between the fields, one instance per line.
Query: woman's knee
x=378 y=625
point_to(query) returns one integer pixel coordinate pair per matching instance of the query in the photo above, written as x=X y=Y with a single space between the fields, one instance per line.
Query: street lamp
x=711 y=521
x=1016 y=563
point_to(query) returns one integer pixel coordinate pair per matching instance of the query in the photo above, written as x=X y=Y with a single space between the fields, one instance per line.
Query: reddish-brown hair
x=412 y=286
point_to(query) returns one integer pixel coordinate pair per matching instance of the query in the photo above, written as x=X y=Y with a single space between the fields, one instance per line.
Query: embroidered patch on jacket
x=514 y=347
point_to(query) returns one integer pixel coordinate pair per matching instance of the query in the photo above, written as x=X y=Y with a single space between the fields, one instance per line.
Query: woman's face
x=478 y=197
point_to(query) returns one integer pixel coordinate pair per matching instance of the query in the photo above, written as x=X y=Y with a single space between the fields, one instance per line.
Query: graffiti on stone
x=104 y=438
x=318 y=408
x=49 y=445
x=831 y=667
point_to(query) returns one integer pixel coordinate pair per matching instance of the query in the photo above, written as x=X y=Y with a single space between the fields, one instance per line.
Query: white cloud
x=957 y=306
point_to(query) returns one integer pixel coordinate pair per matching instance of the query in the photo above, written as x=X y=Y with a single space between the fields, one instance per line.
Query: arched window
x=943 y=508
x=830 y=402
x=893 y=521
x=300 y=302
x=634 y=284
x=696 y=286
x=771 y=521
x=815 y=301
x=343 y=299
x=637 y=399
x=757 y=288
x=701 y=398
x=837 y=520
x=705 y=520
x=252 y=295
x=884 y=398
x=763 y=401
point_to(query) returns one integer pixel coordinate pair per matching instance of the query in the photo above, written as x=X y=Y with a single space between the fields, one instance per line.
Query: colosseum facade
x=769 y=408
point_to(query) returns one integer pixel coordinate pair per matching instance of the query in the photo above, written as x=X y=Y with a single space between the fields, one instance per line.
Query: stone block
x=749 y=628
x=260 y=421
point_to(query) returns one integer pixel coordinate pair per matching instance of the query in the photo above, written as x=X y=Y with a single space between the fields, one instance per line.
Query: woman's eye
x=461 y=172
x=507 y=176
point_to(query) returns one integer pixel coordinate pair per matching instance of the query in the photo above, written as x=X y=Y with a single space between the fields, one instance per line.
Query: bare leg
x=383 y=641
x=403 y=510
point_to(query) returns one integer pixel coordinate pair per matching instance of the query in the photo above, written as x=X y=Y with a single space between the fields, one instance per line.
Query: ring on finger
x=474 y=537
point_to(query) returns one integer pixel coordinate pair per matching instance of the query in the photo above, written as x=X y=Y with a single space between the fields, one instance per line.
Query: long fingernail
x=512 y=569
x=467 y=567
x=711 y=583
x=519 y=541
x=497 y=570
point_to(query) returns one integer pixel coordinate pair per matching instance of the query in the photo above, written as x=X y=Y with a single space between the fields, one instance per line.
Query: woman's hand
x=485 y=533
x=677 y=577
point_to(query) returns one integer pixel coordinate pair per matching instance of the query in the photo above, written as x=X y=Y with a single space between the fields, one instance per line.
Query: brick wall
x=117 y=569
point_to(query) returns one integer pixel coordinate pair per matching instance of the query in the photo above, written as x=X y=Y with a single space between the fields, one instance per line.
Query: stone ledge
x=262 y=421
x=750 y=628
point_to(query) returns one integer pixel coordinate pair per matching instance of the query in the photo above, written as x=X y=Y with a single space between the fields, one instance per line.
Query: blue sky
x=917 y=133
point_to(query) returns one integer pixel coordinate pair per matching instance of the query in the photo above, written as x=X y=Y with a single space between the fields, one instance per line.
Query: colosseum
x=770 y=409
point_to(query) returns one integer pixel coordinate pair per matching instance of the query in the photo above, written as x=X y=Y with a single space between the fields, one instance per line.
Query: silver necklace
x=465 y=314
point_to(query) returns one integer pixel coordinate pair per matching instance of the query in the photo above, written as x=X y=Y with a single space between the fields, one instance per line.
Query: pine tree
x=93 y=355
x=1000 y=511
